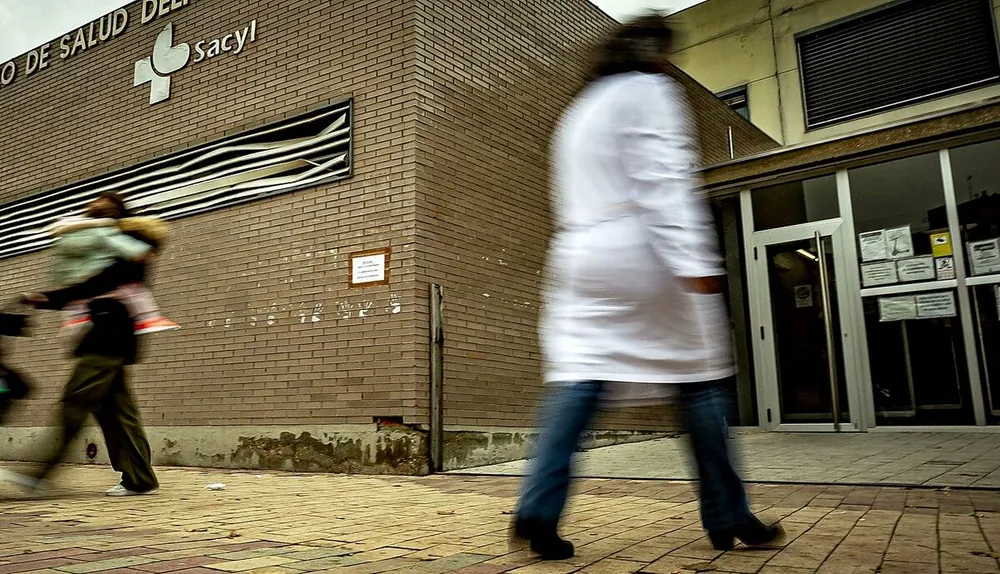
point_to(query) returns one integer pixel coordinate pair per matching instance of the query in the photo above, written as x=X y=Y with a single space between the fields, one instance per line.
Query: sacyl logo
x=166 y=60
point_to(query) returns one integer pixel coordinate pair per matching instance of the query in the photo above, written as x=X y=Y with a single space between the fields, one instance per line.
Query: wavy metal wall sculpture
x=304 y=151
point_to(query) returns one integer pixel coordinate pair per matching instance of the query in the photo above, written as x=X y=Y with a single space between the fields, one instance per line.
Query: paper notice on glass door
x=897 y=308
x=933 y=305
x=872 y=245
x=803 y=296
x=984 y=256
x=899 y=242
x=875 y=274
x=916 y=269
x=941 y=245
x=945 y=268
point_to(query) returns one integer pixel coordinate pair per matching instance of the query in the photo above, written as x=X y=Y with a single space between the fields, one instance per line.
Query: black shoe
x=543 y=539
x=752 y=533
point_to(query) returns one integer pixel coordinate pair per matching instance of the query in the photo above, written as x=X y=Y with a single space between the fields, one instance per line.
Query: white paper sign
x=368 y=269
x=984 y=256
x=916 y=269
x=803 y=296
x=897 y=308
x=899 y=242
x=945 y=268
x=932 y=305
x=872 y=245
x=875 y=274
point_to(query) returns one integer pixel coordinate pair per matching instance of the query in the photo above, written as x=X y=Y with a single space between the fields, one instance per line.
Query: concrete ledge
x=365 y=449
x=362 y=449
x=472 y=447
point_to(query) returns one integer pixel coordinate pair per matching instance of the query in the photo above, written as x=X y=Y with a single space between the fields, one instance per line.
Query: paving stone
x=366 y=525
x=768 y=569
x=249 y=563
x=908 y=568
x=76 y=553
x=175 y=565
x=102 y=565
x=904 y=458
x=28 y=566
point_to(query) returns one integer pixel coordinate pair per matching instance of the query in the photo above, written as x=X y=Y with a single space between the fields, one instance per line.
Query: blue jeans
x=567 y=412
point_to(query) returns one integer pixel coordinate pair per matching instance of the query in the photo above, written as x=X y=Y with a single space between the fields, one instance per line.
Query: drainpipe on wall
x=437 y=380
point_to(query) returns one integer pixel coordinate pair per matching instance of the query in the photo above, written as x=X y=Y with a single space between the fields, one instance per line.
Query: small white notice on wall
x=897 y=308
x=899 y=242
x=872 y=245
x=933 y=305
x=369 y=268
x=875 y=274
x=984 y=256
x=916 y=269
x=945 y=268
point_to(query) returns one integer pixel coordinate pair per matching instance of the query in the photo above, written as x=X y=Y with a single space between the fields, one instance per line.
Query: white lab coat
x=629 y=226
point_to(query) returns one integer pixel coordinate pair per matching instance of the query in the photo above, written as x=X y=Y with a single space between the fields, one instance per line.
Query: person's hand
x=34 y=299
x=145 y=258
x=705 y=285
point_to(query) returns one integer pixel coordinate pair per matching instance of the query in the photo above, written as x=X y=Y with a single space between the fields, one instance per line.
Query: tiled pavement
x=897 y=458
x=291 y=524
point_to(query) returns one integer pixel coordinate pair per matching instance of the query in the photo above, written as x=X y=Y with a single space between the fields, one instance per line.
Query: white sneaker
x=119 y=490
x=22 y=480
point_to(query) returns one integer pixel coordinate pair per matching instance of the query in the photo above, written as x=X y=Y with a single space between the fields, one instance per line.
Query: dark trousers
x=569 y=409
x=98 y=387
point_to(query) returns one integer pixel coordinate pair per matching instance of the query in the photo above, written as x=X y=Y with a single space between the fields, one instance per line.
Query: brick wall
x=454 y=106
x=245 y=282
x=492 y=84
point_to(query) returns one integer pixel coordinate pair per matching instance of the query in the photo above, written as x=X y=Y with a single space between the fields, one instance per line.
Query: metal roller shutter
x=896 y=55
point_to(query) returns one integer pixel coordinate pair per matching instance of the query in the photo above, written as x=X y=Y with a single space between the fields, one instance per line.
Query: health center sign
x=166 y=56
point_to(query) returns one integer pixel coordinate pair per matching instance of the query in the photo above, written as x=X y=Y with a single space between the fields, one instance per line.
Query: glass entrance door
x=804 y=329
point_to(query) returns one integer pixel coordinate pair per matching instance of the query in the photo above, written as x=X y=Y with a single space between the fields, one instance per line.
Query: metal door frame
x=765 y=358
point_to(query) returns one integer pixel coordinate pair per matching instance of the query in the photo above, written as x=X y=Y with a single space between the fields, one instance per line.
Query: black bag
x=13 y=385
x=13 y=325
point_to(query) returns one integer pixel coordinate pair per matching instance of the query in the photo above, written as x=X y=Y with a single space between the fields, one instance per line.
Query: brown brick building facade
x=279 y=363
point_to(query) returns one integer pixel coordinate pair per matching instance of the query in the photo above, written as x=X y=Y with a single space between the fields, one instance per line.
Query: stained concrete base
x=473 y=447
x=368 y=449
x=342 y=448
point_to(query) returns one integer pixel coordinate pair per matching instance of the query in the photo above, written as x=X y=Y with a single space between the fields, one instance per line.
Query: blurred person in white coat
x=634 y=311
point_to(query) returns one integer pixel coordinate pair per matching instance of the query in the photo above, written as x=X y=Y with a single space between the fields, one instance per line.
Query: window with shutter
x=896 y=55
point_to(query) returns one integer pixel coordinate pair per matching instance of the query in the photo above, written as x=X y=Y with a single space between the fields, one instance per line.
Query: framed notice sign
x=369 y=268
